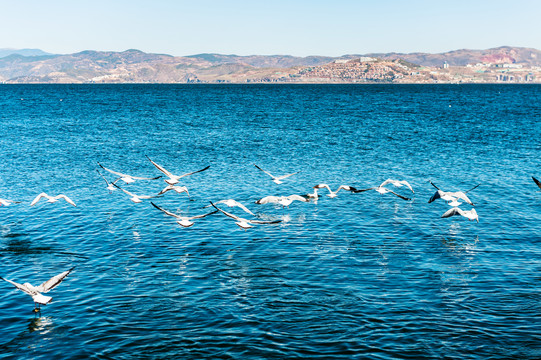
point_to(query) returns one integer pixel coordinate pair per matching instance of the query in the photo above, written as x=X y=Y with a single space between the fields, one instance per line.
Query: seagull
x=268 y=199
x=110 y=186
x=233 y=203
x=538 y=183
x=282 y=200
x=287 y=200
x=382 y=190
x=245 y=223
x=333 y=194
x=128 y=179
x=136 y=198
x=35 y=291
x=185 y=221
x=452 y=197
x=276 y=179
x=52 y=199
x=397 y=183
x=5 y=202
x=173 y=179
x=177 y=189
x=470 y=214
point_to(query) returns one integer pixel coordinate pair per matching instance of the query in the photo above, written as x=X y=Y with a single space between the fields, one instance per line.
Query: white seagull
x=333 y=194
x=233 y=203
x=136 y=198
x=185 y=221
x=173 y=179
x=35 y=291
x=52 y=199
x=397 y=183
x=382 y=190
x=470 y=214
x=128 y=179
x=282 y=200
x=110 y=186
x=245 y=223
x=5 y=202
x=276 y=179
x=175 y=188
x=452 y=197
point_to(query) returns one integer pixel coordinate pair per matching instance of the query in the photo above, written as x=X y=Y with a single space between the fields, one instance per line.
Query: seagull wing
x=161 y=168
x=194 y=172
x=266 y=172
x=65 y=198
x=452 y=212
x=538 y=183
x=103 y=177
x=232 y=216
x=475 y=187
x=126 y=175
x=112 y=172
x=437 y=195
x=38 y=198
x=400 y=196
x=286 y=176
x=238 y=204
x=53 y=282
x=268 y=199
x=363 y=190
x=165 y=211
x=20 y=287
x=264 y=221
x=461 y=195
x=347 y=188
x=404 y=182
x=298 y=198
x=125 y=191
x=202 y=215
x=431 y=183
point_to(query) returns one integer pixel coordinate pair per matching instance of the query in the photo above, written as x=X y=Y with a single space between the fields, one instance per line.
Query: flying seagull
x=35 y=291
x=470 y=214
x=276 y=179
x=52 y=199
x=185 y=221
x=282 y=200
x=5 y=202
x=110 y=186
x=128 y=179
x=245 y=223
x=173 y=179
x=136 y=198
x=452 y=197
x=538 y=183
x=233 y=203
x=397 y=183
x=333 y=194
x=382 y=190
x=175 y=188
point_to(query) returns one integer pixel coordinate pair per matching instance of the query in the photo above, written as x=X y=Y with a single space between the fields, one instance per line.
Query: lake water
x=357 y=276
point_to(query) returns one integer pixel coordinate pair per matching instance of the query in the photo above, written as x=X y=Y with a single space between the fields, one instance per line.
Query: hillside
x=134 y=66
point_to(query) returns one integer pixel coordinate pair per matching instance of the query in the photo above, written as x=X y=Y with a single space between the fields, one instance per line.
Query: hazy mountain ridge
x=137 y=66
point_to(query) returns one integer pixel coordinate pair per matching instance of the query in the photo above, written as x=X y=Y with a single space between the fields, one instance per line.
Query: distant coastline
x=508 y=65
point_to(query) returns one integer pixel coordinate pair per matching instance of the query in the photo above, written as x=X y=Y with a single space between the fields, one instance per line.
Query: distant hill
x=24 y=52
x=503 y=54
x=137 y=66
x=265 y=61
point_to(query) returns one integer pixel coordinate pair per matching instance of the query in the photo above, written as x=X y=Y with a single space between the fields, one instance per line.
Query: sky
x=271 y=27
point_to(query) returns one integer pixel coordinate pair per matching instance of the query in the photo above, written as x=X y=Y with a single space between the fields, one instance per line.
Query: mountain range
x=37 y=66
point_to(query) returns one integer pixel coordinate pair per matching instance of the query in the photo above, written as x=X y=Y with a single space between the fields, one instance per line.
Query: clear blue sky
x=301 y=28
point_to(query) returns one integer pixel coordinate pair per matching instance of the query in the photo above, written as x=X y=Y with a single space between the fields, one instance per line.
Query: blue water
x=358 y=276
